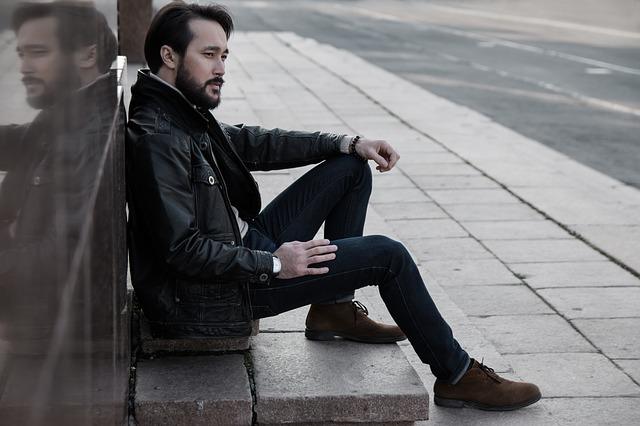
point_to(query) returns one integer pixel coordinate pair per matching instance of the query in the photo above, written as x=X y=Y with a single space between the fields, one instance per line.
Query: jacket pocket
x=212 y=216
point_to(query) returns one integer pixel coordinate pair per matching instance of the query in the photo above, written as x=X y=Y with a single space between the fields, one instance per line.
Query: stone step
x=303 y=381
x=150 y=345
x=193 y=390
x=296 y=381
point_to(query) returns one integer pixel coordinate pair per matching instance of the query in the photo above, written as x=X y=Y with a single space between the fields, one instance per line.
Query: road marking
x=588 y=100
x=492 y=41
x=597 y=71
x=595 y=102
x=540 y=21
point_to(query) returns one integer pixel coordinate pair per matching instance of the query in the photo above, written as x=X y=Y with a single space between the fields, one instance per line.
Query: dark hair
x=79 y=25
x=170 y=27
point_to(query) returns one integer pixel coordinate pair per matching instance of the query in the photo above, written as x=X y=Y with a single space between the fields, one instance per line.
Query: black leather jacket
x=189 y=268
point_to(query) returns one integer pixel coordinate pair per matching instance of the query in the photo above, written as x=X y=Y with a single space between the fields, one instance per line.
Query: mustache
x=31 y=80
x=218 y=80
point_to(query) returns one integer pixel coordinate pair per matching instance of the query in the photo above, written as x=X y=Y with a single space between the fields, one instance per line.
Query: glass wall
x=63 y=300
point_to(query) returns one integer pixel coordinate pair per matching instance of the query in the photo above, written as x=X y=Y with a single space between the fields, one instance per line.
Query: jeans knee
x=360 y=170
x=389 y=248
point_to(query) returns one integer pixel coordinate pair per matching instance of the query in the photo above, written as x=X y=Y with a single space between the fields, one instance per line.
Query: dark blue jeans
x=336 y=192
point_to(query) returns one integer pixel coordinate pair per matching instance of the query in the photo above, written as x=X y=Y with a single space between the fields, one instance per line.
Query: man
x=65 y=51
x=196 y=224
x=47 y=198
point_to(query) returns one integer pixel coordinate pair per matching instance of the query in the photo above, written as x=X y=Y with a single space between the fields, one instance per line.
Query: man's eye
x=224 y=57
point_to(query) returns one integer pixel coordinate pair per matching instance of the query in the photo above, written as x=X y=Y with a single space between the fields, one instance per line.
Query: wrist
x=277 y=265
x=353 y=148
x=344 y=144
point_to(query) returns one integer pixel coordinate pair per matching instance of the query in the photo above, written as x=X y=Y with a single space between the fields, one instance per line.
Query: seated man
x=195 y=219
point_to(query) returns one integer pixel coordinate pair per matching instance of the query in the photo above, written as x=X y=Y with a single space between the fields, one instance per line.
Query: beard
x=52 y=92
x=195 y=93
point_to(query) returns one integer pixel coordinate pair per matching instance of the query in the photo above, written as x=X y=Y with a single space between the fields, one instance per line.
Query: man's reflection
x=52 y=164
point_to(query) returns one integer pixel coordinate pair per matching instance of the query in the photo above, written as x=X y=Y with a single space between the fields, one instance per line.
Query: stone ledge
x=150 y=345
x=193 y=390
x=302 y=381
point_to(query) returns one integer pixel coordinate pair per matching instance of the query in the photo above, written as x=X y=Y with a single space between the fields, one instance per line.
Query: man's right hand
x=296 y=257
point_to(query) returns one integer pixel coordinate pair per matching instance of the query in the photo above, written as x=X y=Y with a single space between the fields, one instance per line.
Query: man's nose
x=219 y=68
x=25 y=66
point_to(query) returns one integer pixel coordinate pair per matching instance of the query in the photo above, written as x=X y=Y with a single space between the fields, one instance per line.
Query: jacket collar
x=151 y=89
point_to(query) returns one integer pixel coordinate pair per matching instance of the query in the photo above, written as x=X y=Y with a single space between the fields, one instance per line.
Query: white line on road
x=540 y=21
x=496 y=41
x=595 y=102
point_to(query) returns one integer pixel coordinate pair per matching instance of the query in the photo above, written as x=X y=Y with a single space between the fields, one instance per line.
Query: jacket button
x=264 y=277
x=203 y=145
x=233 y=243
x=36 y=180
x=211 y=180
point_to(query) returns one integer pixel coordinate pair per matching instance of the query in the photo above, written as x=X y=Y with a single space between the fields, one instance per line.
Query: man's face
x=46 y=70
x=200 y=70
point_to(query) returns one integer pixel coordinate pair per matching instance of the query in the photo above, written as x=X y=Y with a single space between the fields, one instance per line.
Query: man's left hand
x=379 y=151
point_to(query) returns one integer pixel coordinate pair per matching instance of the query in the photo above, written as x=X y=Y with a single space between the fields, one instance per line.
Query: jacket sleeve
x=163 y=197
x=272 y=149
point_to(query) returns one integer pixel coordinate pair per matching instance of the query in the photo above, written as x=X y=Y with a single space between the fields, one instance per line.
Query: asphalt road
x=566 y=74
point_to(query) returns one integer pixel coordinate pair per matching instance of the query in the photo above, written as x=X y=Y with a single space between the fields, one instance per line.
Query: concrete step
x=295 y=381
x=150 y=345
x=303 y=381
x=193 y=390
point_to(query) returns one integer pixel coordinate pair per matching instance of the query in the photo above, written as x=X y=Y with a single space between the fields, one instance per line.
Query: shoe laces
x=359 y=307
x=489 y=372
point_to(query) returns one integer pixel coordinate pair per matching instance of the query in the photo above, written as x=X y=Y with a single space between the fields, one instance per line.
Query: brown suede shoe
x=482 y=388
x=350 y=321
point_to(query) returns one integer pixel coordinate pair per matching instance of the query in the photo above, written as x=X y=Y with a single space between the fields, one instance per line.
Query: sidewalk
x=532 y=257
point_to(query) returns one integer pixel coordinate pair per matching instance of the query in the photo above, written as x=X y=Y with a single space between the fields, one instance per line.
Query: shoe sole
x=332 y=335
x=456 y=403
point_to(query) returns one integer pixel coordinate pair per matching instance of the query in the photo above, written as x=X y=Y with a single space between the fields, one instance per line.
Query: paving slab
x=616 y=338
x=387 y=181
x=428 y=228
x=594 y=302
x=409 y=156
x=398 y=195
x=454 y=182
x=439 y=170
x=574 y=274
x=581 y=206
x=464 y=272
x=622 y=242
x=299 y=380
x=521 y=334
x=594 y=411
x=518 y=251
x=290 y=321
x=472 y=196
x=631 y=367
x=516 y=230
x=417 y=210
x=497 y=300
x=193 y=390
x=447 y=249
x=573 y=374
x=491 y=212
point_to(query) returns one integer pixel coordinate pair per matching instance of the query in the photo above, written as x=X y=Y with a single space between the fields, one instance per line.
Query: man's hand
x=296 y=257
x=379 y=151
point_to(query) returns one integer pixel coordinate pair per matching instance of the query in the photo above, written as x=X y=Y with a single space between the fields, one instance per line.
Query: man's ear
x=86 y=57
x=169 y=57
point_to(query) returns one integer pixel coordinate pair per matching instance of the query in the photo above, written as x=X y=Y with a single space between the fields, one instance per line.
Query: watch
x=277 y=265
